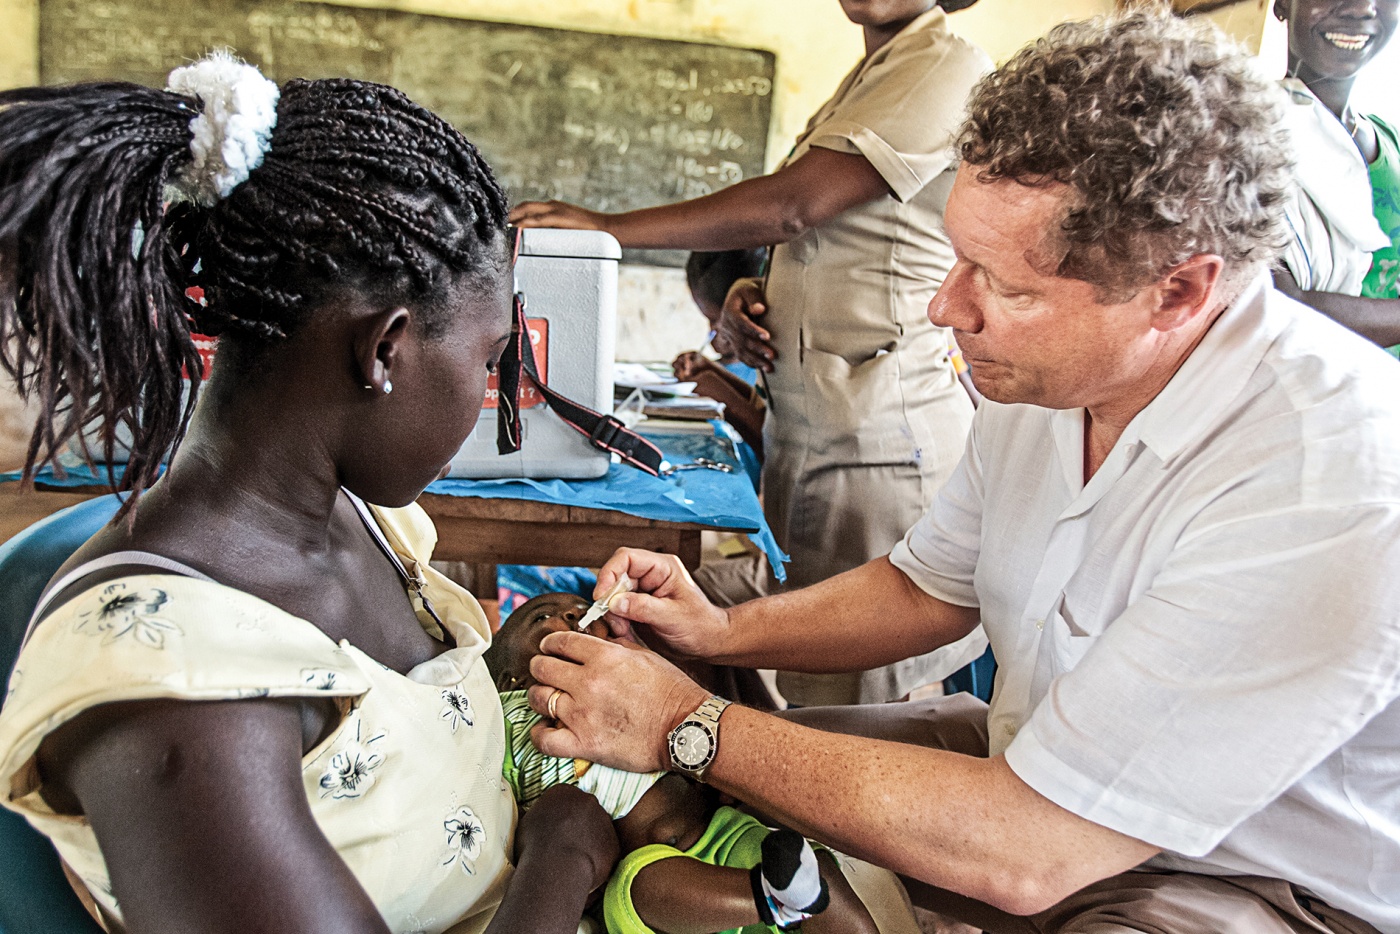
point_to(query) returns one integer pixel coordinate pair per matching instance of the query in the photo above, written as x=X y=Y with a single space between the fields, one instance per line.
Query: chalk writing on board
x=612 y=122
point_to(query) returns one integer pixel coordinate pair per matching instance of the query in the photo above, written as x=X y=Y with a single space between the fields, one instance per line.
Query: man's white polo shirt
x=1200 y=648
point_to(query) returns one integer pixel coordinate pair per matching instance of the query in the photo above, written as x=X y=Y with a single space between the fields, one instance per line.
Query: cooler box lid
x=570 y=244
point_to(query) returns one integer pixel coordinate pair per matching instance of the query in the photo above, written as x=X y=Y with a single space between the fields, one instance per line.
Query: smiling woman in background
x=1345 y=215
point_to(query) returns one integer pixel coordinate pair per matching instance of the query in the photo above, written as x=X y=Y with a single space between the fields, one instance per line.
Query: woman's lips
x=1348 y=42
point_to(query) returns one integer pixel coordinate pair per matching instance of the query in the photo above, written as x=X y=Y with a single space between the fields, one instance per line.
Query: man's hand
x=558 y=215
x=616 y=703
x=667 y=600
x=751 y=343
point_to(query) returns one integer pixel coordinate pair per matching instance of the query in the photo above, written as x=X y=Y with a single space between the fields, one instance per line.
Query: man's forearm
x=870 y=616
x=957 y=822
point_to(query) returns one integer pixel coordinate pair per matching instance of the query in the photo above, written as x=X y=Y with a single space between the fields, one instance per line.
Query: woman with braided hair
x=249 y=704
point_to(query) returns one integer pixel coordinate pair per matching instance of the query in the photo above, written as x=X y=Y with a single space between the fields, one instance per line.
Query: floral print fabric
x=408 y=788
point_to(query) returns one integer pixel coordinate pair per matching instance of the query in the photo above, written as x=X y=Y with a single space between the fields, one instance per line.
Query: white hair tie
x=231 y=133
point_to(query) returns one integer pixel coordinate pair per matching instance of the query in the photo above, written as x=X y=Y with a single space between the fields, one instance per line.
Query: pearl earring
x=388 y=387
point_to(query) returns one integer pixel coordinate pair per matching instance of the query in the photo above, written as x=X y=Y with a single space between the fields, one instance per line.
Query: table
x=480 y=533
x=473 y=530
x=485 y=523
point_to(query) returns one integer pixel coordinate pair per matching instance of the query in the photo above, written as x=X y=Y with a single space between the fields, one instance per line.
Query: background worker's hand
x=557 y=214
x=739 y=328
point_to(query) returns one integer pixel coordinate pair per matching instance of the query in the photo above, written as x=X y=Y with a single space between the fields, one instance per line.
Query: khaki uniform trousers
x=1134 y=902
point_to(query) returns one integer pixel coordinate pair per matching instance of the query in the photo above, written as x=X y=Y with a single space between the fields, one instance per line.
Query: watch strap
x=707 y=714
x=710 y=711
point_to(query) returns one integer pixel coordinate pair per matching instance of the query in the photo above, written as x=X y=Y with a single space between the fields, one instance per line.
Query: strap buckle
x=604 y=434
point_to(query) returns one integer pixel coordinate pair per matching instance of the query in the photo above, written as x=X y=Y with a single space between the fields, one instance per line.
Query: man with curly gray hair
x=1205 y=175
x=1177 y=518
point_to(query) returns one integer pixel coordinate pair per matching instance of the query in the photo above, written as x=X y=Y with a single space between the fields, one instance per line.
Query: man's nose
x=954 y=305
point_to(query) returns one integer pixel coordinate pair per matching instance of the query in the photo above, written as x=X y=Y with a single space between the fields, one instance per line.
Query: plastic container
x=569 y=278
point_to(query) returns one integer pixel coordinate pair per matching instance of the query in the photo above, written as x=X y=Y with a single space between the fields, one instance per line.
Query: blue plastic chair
x=34 y=893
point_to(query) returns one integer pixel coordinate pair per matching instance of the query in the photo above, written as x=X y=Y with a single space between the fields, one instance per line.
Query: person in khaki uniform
x=867 y=418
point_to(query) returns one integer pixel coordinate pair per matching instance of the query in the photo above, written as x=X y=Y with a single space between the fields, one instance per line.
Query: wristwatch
x=695 y=740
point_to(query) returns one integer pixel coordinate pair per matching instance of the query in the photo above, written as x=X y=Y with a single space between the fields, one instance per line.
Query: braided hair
x=360 y=191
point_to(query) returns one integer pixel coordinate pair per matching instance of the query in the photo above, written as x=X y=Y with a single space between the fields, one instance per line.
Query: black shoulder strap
x=602 y=431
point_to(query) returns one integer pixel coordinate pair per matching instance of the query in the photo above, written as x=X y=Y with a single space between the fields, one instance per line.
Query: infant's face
x=527 y=627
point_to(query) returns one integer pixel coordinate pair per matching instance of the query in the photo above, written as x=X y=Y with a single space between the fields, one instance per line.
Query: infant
x=689 y=864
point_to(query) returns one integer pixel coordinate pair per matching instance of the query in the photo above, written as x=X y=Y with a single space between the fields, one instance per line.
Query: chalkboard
x=612 y=122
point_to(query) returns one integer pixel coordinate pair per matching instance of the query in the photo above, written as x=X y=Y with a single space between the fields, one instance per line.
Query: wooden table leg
x=487 y=591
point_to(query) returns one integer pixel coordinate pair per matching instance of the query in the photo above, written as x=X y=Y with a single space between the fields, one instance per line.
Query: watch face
x=691 y=745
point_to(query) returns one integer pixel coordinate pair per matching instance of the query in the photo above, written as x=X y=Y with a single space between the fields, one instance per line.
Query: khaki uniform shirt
x=867 y=418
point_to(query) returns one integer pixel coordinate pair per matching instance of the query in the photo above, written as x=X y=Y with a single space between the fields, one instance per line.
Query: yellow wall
x=1003 y=26
x=1245 y=21
x=19 y=43
x=814 y=44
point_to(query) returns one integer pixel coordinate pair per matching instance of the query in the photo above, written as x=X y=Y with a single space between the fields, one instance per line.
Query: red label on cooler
x=529 y=395
x=206 y=347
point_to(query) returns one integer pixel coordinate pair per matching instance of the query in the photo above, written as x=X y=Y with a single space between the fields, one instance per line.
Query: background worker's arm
x=760 y=211
x=742 y=407
x=1376 y=319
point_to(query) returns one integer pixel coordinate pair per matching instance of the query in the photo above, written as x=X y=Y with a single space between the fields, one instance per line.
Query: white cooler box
x=569 y=278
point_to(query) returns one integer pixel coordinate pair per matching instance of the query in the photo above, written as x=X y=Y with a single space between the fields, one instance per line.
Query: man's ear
x=378 y=346
x=1187 y=291
x=1281 y=10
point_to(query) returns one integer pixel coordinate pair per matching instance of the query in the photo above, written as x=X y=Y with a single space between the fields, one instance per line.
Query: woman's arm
x=755 y=212
x=1376 y=319
x=203 y=821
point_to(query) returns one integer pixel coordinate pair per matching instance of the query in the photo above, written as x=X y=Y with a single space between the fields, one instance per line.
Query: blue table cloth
x=706 y=497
